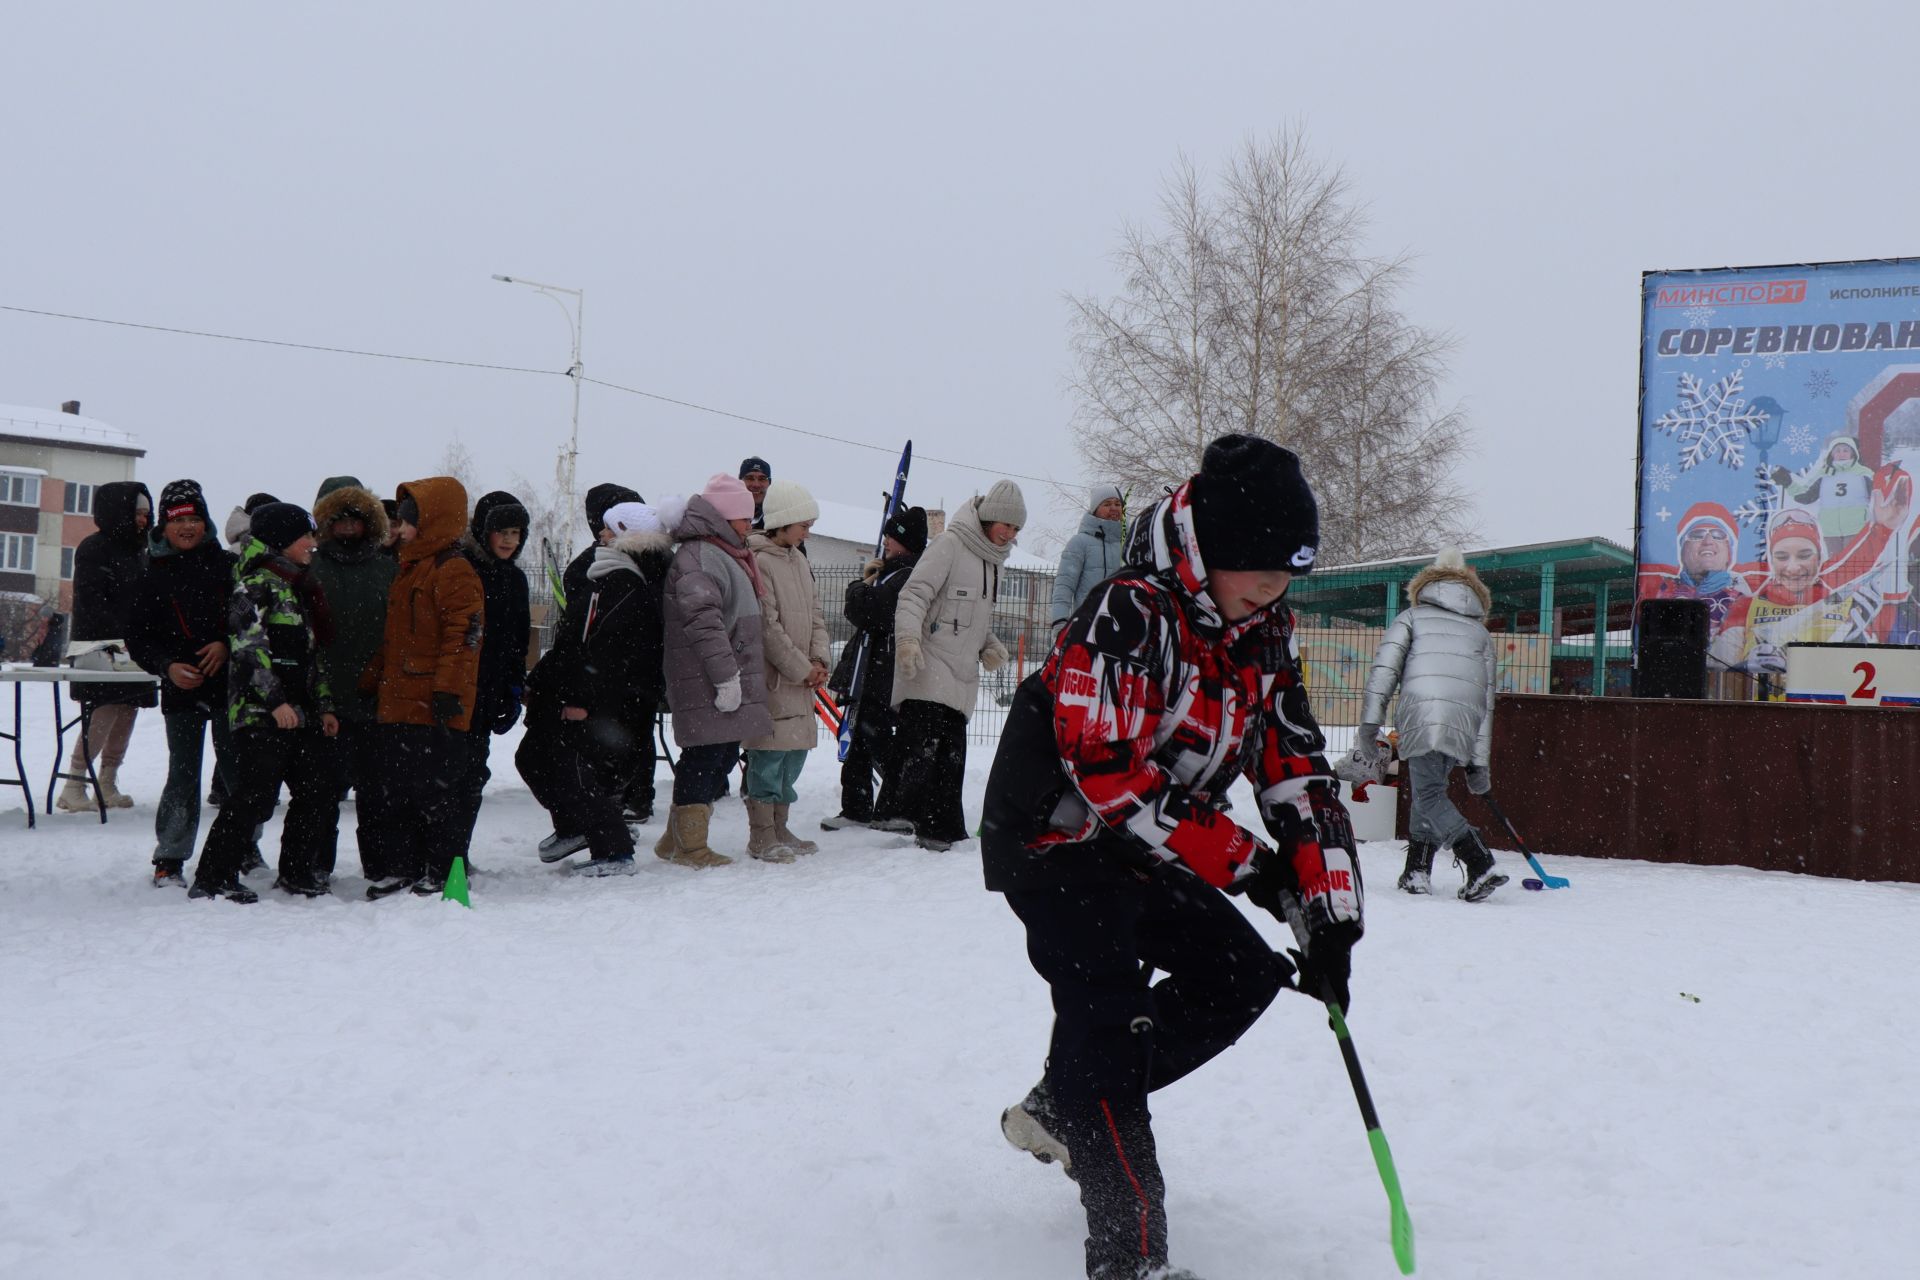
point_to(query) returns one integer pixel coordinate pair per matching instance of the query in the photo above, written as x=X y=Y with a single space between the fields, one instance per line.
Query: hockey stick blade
x=1400 y=1221
x=1551 y=882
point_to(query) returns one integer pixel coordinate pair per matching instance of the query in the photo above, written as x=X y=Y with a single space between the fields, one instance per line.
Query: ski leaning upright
x=863 y=652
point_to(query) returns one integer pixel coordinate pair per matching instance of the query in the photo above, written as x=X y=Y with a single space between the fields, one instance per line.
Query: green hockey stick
x=1401 y=1221
x=1382 y=1154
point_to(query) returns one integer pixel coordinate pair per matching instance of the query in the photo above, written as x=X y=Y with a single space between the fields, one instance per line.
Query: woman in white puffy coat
x=943 y=636
x=1439 y=657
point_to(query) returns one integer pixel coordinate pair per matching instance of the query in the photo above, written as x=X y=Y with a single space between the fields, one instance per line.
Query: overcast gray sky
x=861 y=219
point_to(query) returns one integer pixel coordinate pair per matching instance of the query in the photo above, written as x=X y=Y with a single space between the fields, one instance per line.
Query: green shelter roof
x=1370 y=593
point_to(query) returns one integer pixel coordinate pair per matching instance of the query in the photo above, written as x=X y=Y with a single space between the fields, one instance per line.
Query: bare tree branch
x=1250 y=308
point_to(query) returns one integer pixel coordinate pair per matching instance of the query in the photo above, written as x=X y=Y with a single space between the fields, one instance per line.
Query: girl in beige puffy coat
x=943 y=636
x=795 y=638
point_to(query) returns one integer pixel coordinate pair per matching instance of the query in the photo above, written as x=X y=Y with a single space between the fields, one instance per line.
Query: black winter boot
x=1472 y=854
x=1118 y=1170
x=1418 y=877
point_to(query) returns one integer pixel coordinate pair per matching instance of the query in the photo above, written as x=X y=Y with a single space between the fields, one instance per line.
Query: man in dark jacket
x=593 y=697
x=870 y=606
x=354 y=574
x=493 y=544
x=280 y=710
x=1105 y=831
x=106 y=571
x=599 y=498
x=177 y=630
x=757 y=476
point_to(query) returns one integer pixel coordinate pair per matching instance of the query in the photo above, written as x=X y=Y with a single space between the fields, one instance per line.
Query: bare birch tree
x=1250 y=308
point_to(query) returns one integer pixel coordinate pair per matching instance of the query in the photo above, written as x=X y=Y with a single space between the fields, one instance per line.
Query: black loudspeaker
x=1672 y=662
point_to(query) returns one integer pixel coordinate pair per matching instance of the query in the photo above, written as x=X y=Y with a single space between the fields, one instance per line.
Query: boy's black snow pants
x=1116 y=1039
x=875 y=733
x=931 y=755
x=420 y=774
x=263 y=759
x=351 y=758
x=566 y=765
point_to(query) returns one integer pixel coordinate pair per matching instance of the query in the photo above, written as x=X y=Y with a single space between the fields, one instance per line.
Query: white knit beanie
x=1002 y=505
x=1103 y=492
x=787 y=503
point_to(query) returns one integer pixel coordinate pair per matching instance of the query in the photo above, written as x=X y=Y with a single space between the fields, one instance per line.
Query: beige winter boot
x=669 y=844
x=762 y=842
x=690 y=824
x=110 y=791
x=73 y=798
x=785 y=833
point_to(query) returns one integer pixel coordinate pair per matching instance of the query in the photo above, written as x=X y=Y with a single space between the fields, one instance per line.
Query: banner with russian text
x=1779 y=436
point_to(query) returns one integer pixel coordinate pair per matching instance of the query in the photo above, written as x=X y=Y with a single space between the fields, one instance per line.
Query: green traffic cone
x=456 y=890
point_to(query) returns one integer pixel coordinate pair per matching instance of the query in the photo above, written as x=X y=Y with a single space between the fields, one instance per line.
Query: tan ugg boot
x=762 y=842
x=690 y=824
x=73 y=798
x=669 y=844
x=785 y=833
x=110 y=791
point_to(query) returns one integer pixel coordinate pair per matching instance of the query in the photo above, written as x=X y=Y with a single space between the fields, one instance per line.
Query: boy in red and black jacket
x=1105 y=829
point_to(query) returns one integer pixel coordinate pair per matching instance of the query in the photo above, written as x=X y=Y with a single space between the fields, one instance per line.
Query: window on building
x=16 y=552
x=19 y=491
x=66 y=564
x=79 y=499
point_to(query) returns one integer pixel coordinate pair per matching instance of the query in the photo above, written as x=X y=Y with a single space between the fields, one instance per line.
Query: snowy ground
x=796 y=1071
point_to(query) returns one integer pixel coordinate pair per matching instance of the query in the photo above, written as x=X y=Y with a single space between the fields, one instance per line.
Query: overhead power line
x=888 y=449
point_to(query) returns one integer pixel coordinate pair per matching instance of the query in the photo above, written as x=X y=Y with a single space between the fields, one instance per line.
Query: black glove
x=509 y=716
x=446 y=708
x=1327 y=966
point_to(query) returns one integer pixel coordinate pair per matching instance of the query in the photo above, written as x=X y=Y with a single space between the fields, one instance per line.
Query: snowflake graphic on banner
x=1774 y=360
x=1820 y=384
x=1799 y=440
x=1711 y=422
x=1661 y=477
x=1699 y=316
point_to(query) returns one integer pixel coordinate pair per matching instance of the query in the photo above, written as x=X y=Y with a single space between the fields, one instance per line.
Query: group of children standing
x=376 y=648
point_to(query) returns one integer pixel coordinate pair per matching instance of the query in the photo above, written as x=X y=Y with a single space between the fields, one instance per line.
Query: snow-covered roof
x=63 y=428
x=860 y=525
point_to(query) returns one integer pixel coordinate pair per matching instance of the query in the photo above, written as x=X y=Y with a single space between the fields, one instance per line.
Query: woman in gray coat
x=715 y=664
x=1439 y=656
x=1092 y=555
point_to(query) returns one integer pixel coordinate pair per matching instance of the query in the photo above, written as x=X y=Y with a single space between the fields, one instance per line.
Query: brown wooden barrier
x=1830 y=791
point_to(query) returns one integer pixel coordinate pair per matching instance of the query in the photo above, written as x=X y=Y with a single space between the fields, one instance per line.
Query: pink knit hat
x=729 y=497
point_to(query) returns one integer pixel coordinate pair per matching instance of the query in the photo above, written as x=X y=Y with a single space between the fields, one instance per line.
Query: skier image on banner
x=1853 y=598
x=1704 y=547
x=1836 y=488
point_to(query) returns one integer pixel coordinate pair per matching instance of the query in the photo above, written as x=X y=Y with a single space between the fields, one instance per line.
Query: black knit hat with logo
x=908 y=527
x=1252 y=509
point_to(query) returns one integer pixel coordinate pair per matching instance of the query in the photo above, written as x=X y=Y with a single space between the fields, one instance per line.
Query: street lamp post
x=576 y=320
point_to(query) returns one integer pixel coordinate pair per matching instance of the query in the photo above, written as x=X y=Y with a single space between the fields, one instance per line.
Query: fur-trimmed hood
x=351 y=499
x=1462 y=577
x=628 y=554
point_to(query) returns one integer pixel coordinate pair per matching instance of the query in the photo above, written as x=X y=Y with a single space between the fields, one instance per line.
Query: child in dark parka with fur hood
x=1439 y=657
x=355 y=575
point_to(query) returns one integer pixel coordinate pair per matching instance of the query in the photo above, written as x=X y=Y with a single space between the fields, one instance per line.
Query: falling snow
x=1711 y=422
x=1661 y=477
x=1820 y=384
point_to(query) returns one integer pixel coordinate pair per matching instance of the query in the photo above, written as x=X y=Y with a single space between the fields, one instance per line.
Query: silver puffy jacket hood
x=1440 y=657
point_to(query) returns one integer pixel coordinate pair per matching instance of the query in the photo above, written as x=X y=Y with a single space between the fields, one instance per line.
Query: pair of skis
x=863 y=651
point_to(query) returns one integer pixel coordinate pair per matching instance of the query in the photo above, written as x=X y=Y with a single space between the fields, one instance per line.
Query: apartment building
x=51 y=461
